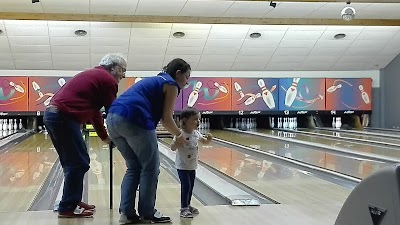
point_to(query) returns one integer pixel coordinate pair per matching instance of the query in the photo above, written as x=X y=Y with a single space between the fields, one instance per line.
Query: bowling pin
x=36 y=87
x=221 y=88
x=266 y=94
x=338 y=122
x=333 y=88
x=17 y=87
x=10 y=125
x=194 y=95
x=252 y=99
x=272 y=122
x=364 y=94
x=20 y=124
x=239 y=89
x=61 y=82
x=15 y=124
x=291 y=93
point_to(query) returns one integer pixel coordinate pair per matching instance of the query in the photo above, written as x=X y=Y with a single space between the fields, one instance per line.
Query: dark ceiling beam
x=194 y=19
x=345 y=1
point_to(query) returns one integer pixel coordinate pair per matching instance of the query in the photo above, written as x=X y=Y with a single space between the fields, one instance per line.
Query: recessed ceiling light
x=80 y=32
x=1 y=31
x=179 y=34
x=339 y=36
x=255 y=35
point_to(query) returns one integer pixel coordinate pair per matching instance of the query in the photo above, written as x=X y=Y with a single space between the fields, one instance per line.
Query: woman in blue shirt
x=131 y=123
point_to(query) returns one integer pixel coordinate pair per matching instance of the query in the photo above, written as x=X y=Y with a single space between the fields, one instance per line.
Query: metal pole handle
x=111 y=146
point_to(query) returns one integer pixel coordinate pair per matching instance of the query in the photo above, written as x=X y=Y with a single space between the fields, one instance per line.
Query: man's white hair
x=112 y=59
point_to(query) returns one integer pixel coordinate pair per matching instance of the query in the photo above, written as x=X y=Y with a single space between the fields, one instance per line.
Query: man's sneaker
x=193 y=210
x=185 y=213
x=124 y=219
x=157 y=218
x=87 y=206
x=77 y=213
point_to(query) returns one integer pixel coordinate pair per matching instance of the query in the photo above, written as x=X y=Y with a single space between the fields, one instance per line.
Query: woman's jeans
x=139 y=148
x=67 y=138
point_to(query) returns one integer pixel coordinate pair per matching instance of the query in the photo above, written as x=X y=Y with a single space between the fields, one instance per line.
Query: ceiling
x=49 y=44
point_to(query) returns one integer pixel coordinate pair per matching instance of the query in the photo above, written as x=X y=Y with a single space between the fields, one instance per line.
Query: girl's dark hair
x=188 y=112
x=175 y=65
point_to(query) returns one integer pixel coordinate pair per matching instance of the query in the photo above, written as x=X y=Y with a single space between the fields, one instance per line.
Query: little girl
x=187 y=157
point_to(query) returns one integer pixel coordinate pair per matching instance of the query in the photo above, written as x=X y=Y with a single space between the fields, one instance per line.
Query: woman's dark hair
x=175 y=65
x=188 y=112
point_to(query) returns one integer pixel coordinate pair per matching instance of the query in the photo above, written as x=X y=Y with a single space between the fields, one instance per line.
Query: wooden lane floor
x=168 y=191
x=281 y=183
x=382 y=131
x=338 y=133
x=23 y=170
x=354 y=167
x=303 y=213
x=392 y=152
x=270 y=214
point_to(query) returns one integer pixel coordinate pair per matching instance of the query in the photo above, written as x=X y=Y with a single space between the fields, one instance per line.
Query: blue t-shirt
x=143 y=103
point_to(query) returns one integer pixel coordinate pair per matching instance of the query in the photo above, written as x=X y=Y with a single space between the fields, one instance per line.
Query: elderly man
x=77 y=102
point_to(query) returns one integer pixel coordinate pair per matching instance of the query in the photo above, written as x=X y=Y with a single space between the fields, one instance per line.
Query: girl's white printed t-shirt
x=188 y=155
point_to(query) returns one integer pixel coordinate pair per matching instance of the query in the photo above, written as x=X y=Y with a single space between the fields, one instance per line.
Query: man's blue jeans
x=139 y=148
x=67 y=138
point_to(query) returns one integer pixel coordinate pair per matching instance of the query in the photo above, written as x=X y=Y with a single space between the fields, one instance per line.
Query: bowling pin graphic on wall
x=302 y=94
x=266 y=94
x=42 y=90
x=125 y=83
x=291 y=93
x=251 y=94
x=348 y=94
x=211 y=94
x=194 y=95
x=13 y=94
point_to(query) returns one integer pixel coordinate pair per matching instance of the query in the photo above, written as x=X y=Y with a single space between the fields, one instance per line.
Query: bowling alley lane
x=359 y=168
x=281 y=183
x=168 y=191
x=338 y=133
x=335 y=142
x=383 y=131
x=23 y=170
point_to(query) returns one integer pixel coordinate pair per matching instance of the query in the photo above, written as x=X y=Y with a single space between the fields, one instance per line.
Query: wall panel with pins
x=13 y=94
x=179 y=102
x=42 y=89
x=127 y=82
x=211 y=94
x=124 y=84
x=249 y=94
x=302 y=94
x=348 y=94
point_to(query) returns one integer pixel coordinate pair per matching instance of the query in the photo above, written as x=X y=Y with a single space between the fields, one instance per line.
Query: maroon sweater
x=85 y=94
